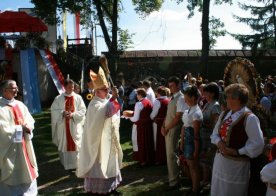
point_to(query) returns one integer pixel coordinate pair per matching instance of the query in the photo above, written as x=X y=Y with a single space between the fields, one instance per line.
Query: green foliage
x=145 y=7
x=219 y=2
x=192 y=6
x=263 y=24
x=198 y=4
x=33 y=37
x=41 y=43
x=124 y=41
x=247 y=41
x=46 y=10
x=268 y=43
x=22 y=43
x=103 y=12
x=215 y=30
x=51 y=10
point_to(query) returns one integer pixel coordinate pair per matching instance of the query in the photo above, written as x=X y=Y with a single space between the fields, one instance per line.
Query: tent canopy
x=11 y=21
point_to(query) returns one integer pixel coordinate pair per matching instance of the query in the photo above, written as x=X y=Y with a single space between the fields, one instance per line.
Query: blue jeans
x=189 y=147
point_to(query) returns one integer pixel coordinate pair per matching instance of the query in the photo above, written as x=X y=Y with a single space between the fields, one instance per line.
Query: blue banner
x=31 y=95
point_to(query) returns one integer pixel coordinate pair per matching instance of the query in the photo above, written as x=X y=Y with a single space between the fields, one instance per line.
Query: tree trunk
x=112 y=43
x=205 y=37
x=102 y=24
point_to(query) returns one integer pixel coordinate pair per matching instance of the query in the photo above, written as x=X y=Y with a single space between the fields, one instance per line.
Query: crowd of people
x=210 y=126
x=197 y=128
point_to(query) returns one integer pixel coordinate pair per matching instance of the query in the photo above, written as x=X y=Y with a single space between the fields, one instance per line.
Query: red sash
x=69 y=107
x=19 y=120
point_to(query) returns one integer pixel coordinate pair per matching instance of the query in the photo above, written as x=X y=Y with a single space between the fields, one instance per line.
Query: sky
x=168 y=29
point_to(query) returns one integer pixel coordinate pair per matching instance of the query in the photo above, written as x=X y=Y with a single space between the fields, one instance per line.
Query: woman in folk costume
x=18 y=167
x=67 y=118
x=142 y=129
x=158 y=115
x=242 y=71
x=268 y=173
x=100 y=157
x=238 y=137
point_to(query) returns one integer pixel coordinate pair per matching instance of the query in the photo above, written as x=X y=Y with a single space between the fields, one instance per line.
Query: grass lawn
x=54 y=180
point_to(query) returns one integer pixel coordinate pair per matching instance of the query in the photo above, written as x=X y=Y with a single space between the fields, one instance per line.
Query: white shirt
x=156 y=107
x=181 y=105
x=150 y=95
x=137 y=110
x=255 y=142
x=268 y=175
x=192 y=114
x=265 y=103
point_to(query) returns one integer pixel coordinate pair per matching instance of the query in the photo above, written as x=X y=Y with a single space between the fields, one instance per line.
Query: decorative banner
x=30 y=80
x=53 y=69
x=82 y=76
x=64 y=32
x=77 y=27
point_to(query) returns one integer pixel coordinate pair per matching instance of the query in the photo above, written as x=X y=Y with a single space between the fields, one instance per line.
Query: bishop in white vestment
x=100 y=157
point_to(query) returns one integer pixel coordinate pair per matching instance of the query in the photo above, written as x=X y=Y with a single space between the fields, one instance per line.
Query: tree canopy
x=103 y=12
x=263 y=24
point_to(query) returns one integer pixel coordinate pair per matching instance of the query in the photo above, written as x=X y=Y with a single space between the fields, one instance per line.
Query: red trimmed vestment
x=67 y=131
x=18 y=164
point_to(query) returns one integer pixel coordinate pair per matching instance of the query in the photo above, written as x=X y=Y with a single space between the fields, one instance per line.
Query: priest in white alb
x=67 y=118
x=18 y=167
